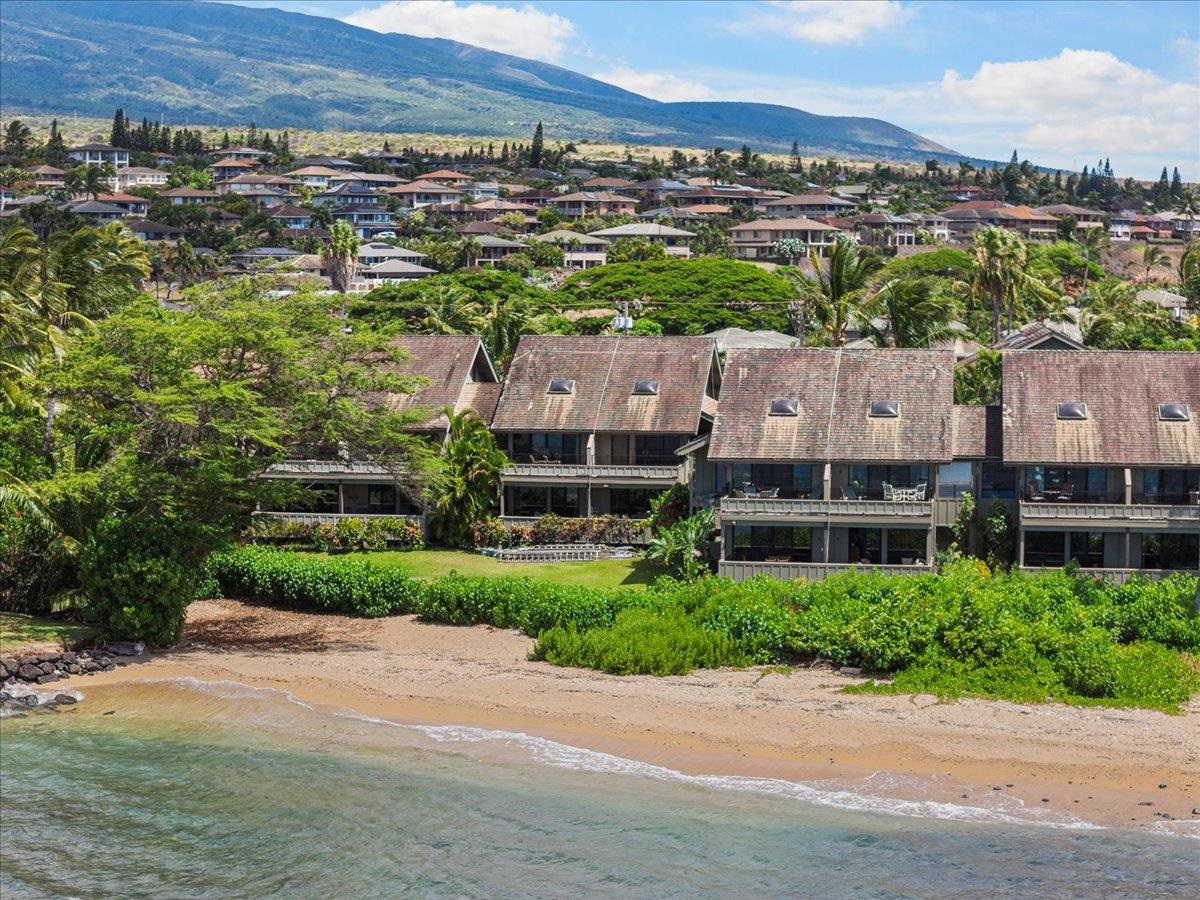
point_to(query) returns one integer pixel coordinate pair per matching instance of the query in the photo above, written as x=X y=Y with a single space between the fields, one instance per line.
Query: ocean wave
x=870 y=795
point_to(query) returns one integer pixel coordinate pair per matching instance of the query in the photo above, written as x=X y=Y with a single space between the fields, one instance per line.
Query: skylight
x=885 y=409
x=561 y=386
x=645 y=387
x=785 y=406
x=1076 y=410
x=1174 y=412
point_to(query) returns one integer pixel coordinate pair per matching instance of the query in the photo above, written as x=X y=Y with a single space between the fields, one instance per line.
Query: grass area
x=604 y=573
x=18 y=630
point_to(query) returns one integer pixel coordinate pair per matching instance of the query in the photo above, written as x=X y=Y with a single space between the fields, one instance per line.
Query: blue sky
x=1062 y=82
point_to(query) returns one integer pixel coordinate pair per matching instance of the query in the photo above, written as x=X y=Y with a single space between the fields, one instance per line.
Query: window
x=1044 y=548
x=655 y=450
x=645 y=388
x=997 y=480
x=885 y=409
x=1087 y=548
x=866 y=545
x=791 y=481
x=759 y=543
x=1073 y=411
x=561 y=386
x=564 y=448
x=906 y=546
x=1174 y=412
x=631 y=502
x=954 y=479
x=868 y=481
x=1171 y=551
x=565 y=501
x=381 y=498
x=784 y=406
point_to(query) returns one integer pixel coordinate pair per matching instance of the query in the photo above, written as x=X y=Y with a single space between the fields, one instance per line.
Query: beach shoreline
x=1049 y=763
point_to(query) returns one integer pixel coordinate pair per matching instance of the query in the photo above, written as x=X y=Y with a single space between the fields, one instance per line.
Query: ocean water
x=193 y=789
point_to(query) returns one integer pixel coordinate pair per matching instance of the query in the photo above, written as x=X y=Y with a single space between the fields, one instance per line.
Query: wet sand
x=1092 y=764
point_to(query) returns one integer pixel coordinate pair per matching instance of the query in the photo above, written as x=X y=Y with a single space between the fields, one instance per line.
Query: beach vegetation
x=1058 y=636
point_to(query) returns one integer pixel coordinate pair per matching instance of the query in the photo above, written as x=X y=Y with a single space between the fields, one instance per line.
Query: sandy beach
x=1115 y=767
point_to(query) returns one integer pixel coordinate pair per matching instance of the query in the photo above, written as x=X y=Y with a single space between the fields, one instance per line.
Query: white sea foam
x=866 y=795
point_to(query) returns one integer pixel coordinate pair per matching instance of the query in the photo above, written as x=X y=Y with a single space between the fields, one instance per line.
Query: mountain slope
x=230 y=64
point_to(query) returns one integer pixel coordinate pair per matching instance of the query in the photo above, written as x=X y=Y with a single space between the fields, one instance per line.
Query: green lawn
x=604 y=573
x=17 y=630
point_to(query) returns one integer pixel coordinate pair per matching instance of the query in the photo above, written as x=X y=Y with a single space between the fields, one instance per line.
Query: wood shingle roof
x=833 y=390
x=1122 y=390
x=604 y=369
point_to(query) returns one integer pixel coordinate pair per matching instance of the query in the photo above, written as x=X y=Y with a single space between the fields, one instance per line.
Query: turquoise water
x=191 y=790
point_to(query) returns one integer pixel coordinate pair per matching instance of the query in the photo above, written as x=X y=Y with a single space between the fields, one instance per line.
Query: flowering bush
x=341 y=536
x=552 y=529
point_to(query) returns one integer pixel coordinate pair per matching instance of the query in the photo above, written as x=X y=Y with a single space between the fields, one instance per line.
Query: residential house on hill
x=580 y=251
x=99 y=154
x=678 y=243
x=808 y=205
x=585 y=204
x=757 y=239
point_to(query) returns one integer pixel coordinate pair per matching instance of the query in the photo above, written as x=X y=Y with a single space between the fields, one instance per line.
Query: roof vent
x=561 y=386
x=645 y=387
x=785 y=406
x=1174 y=412
x=1074 y=411
x=885 y=409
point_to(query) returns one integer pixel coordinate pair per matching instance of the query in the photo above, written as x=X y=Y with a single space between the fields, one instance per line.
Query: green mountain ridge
x=220 y=63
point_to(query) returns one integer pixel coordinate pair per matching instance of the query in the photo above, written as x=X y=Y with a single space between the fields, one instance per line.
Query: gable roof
x=1033 y=335
x=450 y=362
x=604 y=369
x=834 y=390
x=1122 y=390
x=977 y=432
x=643 y=229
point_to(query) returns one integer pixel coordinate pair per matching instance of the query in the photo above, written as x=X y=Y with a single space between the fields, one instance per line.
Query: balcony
x=339 y=469
x=577 y=467
x=918 y=513
x=790 y=571
x=1087 y=514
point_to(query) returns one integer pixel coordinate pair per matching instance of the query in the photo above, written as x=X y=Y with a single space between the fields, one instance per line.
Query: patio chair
x=889 y=492
x=849 y=493
x=1065 y=492
x=921 y=489
x=769 y=494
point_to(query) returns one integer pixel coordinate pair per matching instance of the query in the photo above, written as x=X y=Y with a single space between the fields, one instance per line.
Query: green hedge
x=1052 y=636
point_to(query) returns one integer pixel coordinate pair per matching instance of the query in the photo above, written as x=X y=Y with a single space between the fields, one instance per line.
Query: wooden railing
x=323 y=518
x=790 y=571
x=821 y=509
x=1121 y=576
x=1133 y=513
x=593 y=471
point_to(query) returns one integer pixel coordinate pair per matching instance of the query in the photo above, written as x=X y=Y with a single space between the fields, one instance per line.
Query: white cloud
x=1081 y=102
x=825 y=21
x=521 y=31
x=1065 y=110
x=657 y=85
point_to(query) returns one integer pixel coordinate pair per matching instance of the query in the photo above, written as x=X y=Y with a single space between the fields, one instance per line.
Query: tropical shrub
x=345 y=535
x=138 y=576
x=552 y=529
x=35 y=561
x=641 y=642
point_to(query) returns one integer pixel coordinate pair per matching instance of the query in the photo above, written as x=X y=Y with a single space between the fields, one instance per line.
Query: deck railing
x=909 y=510
x=815 y=571
x=331 y=518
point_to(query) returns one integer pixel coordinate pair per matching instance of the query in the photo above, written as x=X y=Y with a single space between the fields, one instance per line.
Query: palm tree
x=1154 y=257
x=1187 y=202
x=507 y=319
x=340 y=255
x=471 y=249
x=838 y=291
x=1000 y=272
x=91 y=181
x=1189 y=273
x=914 y=314
x=471 y=478
x=1091 y=241
x=796 y=309
x=720 y=166
x=22 y=331
x=189 y=264
x=449 y=309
